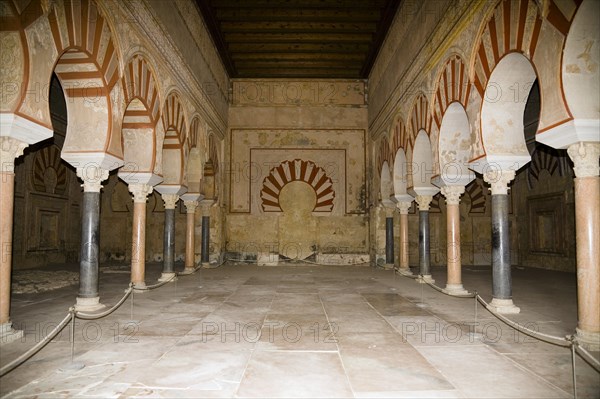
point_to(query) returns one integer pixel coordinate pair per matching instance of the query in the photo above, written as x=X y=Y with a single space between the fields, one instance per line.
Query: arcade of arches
x=470 y=153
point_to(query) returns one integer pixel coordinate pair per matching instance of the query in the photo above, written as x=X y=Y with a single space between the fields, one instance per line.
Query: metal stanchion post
x=574 y=375
x=72 y=335
x=132 y=294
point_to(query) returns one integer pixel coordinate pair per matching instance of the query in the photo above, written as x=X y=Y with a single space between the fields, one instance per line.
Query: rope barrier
x=569 y=341
x=37 y=347
x=96 y=316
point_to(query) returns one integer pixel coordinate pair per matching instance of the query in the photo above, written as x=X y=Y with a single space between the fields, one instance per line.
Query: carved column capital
x=140 y=192
x=499 y=180
x=205 y=206
x=190 y=206
x=403 y=207
x=452 y=194
x=170 y=200
x=92 y=176
x=585 y=157
x=10 y=149
x=424 y=201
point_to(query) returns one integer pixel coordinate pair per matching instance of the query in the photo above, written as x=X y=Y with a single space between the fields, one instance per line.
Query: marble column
x=424 y=260
x=205 y=250
x=454 y=281
x=190 y=259
x=10 y=149
x=389 y=237
x=88 y=298
x=138 y=243
x=168 y=272
x=501 y=270
x=403 y=208
x=587 y=221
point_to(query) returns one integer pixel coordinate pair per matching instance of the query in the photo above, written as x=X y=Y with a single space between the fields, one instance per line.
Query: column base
x=207 y=265
x=139 y=288
x=9 y=334
x=388 y=266
x=188 y=270
x=167 y=277
x=404 y=271
x=426 y=279
x=88 y=304
x=589 y=340
x=455 y=289
x=503 y=306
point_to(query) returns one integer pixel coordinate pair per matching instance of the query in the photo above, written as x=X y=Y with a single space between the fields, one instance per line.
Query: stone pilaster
x=587 y=221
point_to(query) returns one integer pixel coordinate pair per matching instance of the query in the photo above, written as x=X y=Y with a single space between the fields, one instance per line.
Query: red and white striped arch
x=400 y=138
x=384 y=154
x=174 y=122
x=297 y=170
x=139 y=83
x=453 y=85
x=420 y=117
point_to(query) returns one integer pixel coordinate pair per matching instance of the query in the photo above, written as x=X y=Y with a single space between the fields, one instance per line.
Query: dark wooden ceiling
x=298 y=38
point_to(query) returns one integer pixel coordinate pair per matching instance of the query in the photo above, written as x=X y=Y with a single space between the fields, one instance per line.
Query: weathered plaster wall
x=310 y=132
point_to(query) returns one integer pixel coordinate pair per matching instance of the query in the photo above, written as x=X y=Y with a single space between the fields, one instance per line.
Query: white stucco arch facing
x=454 y=148
x=581 y=81
x=502 y=113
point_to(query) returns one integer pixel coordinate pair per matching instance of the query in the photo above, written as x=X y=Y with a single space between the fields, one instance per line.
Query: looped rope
x=37 y=347
x=96 y=316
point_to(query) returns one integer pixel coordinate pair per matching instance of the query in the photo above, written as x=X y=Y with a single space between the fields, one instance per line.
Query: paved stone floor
x=300 y=331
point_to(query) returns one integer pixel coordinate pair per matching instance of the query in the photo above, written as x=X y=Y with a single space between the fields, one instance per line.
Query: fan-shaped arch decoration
x=297 y=170
x=139 y=83
x=500 y=37
x=400 y=136
x=476 y=194
x=544 y=158
x=49 y=173
x=383 y=154
x=453 y=86
x=174 y=123
x=420 y=116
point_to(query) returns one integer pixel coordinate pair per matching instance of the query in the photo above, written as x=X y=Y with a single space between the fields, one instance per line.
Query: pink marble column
x=138 y=243
x=190 y=242
x=587 y=222
x=403 y=208
x=454 y=281
x=10 y=149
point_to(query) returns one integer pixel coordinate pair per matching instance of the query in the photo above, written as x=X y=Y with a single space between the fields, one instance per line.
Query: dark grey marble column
x=424 y=261
x=389 y=241
x=90 y=233
x=204 y=257
x=88 y=298
x=169 y=242
x=168 y=273
x=501 y=274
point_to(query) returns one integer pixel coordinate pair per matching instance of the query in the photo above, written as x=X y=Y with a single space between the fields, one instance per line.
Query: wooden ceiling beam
x=298 y=14
x=297 y=3
x=267 y=63
x=297 y=37
x=293 y=57
x=297 y=47
x=299 y=73
x=297 y=27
